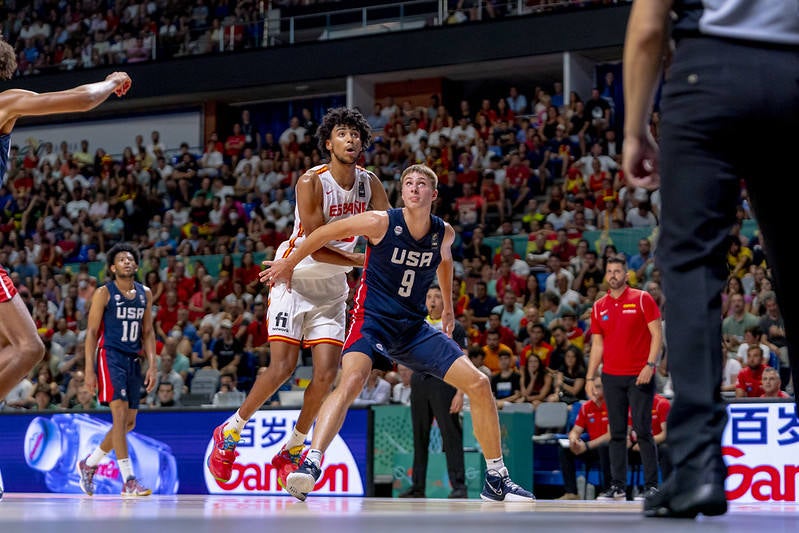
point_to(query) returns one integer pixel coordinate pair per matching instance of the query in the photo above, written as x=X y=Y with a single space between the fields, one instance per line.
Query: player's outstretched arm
x=16 y=103
x=371 y=224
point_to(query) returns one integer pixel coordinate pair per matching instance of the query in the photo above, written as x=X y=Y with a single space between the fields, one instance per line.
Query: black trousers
x=568 y=467
x=622 y=395
x=664 y=460
x=711 y=110
x=431 y=398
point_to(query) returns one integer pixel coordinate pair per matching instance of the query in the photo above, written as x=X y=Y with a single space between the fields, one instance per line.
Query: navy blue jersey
x=398 y=271
x=5 y=150
x=121 y=329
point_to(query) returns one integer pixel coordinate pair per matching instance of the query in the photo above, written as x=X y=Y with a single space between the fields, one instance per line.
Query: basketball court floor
x=34 y=513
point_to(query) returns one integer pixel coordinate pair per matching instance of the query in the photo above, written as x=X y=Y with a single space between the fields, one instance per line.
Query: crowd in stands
x=55 y=35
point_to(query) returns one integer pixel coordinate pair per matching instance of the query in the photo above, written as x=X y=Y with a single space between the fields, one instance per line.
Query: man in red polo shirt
x=592 y=419
x=750 y=378
x=626 y=338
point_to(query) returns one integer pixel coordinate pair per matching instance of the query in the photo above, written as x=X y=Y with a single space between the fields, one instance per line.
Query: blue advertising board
x=169 y=450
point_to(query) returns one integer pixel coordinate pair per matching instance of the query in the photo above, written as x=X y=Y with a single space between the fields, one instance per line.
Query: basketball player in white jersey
x=313 y=312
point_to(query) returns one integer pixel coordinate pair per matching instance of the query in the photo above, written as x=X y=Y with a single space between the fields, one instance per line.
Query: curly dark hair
x=8 y=60
x=118 y=248
x=343 y=116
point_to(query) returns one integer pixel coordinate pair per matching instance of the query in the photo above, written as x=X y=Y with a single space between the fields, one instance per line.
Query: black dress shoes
x=412 y=493
x=457 y=493
x=697 y=488
x=708 y=499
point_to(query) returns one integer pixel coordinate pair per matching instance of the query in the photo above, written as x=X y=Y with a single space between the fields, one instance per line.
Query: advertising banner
x=169 y=450
x=761 y=449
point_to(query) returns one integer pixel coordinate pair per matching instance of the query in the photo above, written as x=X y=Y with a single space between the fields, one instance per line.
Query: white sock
x=497 y=464
x=236 y=422
x=296 y=439
x=97 y=455
x=315 y=457
x=126 y=468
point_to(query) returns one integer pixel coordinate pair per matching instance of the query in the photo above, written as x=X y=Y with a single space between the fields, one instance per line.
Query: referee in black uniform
x=734 y=73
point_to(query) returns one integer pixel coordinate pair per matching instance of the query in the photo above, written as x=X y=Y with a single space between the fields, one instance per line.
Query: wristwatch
x=651 y=365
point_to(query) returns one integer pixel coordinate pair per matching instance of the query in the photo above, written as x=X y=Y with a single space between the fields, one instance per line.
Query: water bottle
x=54 y=445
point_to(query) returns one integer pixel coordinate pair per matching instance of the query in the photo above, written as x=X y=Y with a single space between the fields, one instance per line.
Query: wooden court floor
x=33 y=513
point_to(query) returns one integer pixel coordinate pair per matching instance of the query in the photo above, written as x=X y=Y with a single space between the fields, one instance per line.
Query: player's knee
x=480 y=385
x=282 y=368
x=130 y=425
x=355 y=381
x=324 y=378
x=31 y=351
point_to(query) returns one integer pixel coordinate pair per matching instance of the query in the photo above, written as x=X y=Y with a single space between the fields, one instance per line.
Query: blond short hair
x=424 y=170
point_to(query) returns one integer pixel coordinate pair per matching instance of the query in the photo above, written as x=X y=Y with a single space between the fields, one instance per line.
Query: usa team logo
x=435 y=240
x=397 y=230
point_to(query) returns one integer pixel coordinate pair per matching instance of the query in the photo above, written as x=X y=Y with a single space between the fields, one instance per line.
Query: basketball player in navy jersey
x=20 y=346
x=407 y=249
x=120 y=324
x=314 y=313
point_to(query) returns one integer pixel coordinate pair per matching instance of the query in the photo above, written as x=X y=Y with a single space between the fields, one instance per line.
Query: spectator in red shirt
x=248 y=272
x=771 y=383
x=257 y=341
x=235 y=142
x=563 y=247
x=493 y=198
x=506 y=335
x=469 y=208
x=592 y=420
x=521 y=183
x=750 y=378
x=186 y=285
x=167 y=315
x=537 y=344
x=508 y=279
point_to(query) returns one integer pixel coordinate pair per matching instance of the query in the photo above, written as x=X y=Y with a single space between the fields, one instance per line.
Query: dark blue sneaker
x=499 y=488
x=300 y=482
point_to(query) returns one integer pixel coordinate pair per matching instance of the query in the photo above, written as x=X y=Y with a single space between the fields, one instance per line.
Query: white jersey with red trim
x=336 y=203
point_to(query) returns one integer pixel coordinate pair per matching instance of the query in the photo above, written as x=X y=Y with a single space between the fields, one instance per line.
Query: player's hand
x=640 y=162
x=122 y=81
x=278 y=271
x=90 y=382
x=448 y=322
x=457 y=403
x=150 y=379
